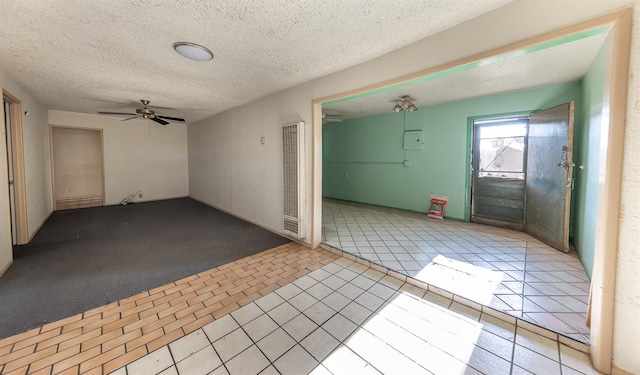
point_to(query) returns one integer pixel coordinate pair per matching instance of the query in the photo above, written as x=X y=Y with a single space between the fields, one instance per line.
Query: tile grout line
x=391 y=273
x=304 y=264
x=491 y=238
x=493 y=312
x=298 y=342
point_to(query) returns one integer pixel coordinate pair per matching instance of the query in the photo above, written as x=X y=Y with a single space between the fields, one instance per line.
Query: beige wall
x=137 y=154
x=36 y=160
x=77 y=162
x=6 y=251
x=229 y=169
x=626 y=344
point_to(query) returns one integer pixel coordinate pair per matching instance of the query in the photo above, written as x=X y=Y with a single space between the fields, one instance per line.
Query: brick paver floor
x=106 y=338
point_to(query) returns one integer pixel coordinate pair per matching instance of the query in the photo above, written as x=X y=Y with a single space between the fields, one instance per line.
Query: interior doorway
x=498 y=171
x=616 y=27
x=12 y=129
x=522 y=173
x=12 y=194
x=78 y=178
x=549 y=179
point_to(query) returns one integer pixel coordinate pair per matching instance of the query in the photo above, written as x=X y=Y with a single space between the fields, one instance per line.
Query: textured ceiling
x=563 y=63
x=86 y=56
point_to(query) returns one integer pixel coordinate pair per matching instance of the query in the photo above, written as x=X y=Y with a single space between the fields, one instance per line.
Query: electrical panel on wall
x=413 y=140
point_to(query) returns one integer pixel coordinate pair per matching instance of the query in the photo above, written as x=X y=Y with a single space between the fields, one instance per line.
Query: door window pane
x=501 y=148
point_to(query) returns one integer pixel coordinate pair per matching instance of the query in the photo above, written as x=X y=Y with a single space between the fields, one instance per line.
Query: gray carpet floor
x=85 y=258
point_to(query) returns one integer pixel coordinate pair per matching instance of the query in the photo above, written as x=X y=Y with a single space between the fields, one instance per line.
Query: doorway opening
x=78 y=178
x=615 y=29
x=12 y=194
x=499 y=171
x=522 y=173
x=549 y=179
x=12 y=129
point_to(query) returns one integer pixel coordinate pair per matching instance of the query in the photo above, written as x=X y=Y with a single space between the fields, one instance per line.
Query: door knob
x=566 y=165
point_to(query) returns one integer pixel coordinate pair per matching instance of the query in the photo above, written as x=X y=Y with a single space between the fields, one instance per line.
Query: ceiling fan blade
x=159 y=120
x=130 y=118
x=171 y=118
x=330 y=112
x=117 y=113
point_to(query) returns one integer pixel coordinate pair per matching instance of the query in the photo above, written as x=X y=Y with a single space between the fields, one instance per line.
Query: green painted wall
x=363 y=157
x=586 y=153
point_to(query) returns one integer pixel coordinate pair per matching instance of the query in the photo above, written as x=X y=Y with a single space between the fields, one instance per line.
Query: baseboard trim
x=5 y=268
x=145 y=201
x=423 y=213
x=38 y=230
x=103 y=205
x=305 y=244
x=374 y=205
x=618 y=371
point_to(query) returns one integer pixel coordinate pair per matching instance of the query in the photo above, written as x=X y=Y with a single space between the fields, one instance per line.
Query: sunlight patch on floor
x=464 y=279
x=537 y=283
x=408 y=333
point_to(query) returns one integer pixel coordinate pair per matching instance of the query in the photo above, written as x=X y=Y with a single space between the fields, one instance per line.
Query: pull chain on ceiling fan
x=145 y=113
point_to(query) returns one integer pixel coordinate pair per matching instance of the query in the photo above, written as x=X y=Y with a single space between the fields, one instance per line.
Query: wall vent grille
x=293 y=179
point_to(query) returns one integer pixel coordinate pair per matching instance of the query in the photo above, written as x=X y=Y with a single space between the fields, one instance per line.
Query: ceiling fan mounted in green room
x=145 y=113
x=331 y=117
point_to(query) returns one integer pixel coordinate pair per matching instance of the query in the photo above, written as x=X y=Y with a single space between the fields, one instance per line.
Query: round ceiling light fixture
x=193 y=51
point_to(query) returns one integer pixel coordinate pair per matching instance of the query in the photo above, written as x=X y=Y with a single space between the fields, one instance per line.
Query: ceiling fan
x=331 y=117
x=145 y=113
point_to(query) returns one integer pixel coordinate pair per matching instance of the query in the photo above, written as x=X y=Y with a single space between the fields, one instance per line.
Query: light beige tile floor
x=507 y=270
x=350 y=318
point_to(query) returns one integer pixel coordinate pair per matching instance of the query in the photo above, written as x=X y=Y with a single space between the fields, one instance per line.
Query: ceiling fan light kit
x=145 y=113
x=191 y=51
x=405 y=104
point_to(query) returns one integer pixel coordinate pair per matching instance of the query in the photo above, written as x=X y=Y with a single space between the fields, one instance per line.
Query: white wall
x=137 y=154
x=36 y=159
x=229 y=168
